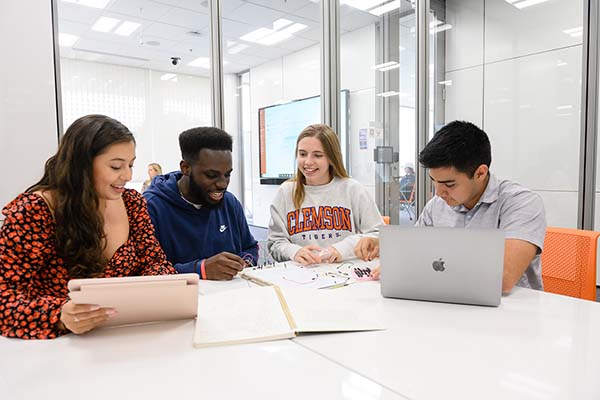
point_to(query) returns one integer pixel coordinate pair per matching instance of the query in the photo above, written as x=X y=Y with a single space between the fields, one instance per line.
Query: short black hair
x=205 y=137
x=458 y=144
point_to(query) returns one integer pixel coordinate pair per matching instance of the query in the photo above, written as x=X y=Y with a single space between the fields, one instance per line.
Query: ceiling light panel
x=386 y=8
x=67 y=40
x=528 y=3
x=127 y=28
x=362 y=4
x=105 y=24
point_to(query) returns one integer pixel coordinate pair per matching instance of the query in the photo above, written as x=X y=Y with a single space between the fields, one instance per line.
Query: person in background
x=200 y=225
x=321 y=214
x=154 y=169
x=78 y=221
x=468 y=195
x=407 y=182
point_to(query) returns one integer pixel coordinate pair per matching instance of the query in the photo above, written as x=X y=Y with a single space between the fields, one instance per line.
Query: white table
x=534 y=346
x=158 y=361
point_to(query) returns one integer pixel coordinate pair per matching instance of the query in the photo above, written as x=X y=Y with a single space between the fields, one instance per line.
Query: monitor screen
x=279 y=126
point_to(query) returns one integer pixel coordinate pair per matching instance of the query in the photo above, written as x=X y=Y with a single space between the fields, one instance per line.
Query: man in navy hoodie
x=200 y=226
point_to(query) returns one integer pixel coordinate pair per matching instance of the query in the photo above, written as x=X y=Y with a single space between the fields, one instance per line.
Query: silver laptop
x=453 y=265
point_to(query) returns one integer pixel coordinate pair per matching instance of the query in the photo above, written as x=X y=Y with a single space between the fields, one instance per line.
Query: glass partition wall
x=144 y=63
x=521 y=83
x=148 y=64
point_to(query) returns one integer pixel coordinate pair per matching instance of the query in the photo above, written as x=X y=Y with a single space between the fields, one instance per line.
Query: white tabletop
x=536 y=345
x=157 y=361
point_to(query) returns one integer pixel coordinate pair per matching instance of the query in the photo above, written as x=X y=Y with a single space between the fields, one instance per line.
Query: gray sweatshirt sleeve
x=279 y=243
x=367 y=221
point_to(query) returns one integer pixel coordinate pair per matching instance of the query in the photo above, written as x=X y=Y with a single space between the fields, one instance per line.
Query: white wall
x=230 y=106
x=28 y=123
x=155 y=110
x=516 y=74
x=296 y=76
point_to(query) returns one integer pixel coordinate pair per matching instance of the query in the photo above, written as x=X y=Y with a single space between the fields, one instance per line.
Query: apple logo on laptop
x=438 y=265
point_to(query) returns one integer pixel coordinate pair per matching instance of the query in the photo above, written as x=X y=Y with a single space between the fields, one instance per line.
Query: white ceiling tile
x=311 y=11
x=144 y=9
x=268 y=52
x=357 y=19
x=74 y=12
x=192 y=20
x=254 y=15
x=139 y=52
x=235 y=29
x=194 y=5
x=228 y=6
x=296 y=43
x=235 y=68
x=168 y=2
x=166 y=31
x=199 y=49
x=287 y=6
x=313 y=34
x=72 y=27
x=97 y=45
x=248 y=59
x=120 y=61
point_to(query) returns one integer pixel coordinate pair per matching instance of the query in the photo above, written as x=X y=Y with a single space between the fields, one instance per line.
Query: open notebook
x=270 y=313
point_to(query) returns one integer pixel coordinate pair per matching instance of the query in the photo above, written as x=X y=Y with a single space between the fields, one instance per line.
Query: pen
x=335 y=286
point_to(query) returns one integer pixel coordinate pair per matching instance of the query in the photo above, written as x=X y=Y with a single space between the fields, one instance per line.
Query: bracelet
x=202 y=270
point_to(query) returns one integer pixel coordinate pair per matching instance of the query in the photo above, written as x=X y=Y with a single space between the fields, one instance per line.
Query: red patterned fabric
x=33 y=278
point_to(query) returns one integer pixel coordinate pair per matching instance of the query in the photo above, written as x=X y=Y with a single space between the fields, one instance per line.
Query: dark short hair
x=195 y=139
x=459 y=144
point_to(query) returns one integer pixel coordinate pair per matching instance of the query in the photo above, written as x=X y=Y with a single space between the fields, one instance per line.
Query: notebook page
x=240 y=316
x=330 y=310
x=290 y=274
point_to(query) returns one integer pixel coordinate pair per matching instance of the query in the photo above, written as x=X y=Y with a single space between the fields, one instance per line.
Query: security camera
x=175 y=60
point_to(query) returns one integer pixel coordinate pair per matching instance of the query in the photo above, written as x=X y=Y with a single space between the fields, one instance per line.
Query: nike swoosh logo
x=223 y=228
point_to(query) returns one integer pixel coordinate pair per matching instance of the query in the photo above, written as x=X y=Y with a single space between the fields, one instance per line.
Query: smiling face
x=208 y=177
x=113 y=169
x=456 y=188
x=313 y=162
x=152 y=171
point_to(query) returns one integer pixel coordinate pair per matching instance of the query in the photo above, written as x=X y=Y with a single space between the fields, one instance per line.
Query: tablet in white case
x=140 y=299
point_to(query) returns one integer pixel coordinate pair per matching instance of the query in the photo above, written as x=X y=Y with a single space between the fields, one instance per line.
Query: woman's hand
x=367 y=248
x=308 y=255
x=331 y=255
x=81 y=318
x=375 y=273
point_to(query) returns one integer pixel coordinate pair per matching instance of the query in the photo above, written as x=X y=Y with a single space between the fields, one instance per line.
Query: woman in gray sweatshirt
x=321 y=214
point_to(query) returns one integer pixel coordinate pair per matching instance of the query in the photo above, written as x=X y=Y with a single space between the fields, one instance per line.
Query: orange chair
x=569 y=262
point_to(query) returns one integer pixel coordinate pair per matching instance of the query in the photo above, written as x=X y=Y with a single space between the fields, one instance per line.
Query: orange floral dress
x=33 y=278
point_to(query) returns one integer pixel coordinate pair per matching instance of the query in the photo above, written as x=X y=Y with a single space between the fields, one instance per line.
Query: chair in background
x=407 y=202
x=569 y=262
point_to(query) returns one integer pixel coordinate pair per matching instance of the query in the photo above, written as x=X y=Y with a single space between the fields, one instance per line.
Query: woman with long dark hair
x=78 y=221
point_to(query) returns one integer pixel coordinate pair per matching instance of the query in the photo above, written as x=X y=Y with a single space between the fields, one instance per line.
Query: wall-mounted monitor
x=279 y=126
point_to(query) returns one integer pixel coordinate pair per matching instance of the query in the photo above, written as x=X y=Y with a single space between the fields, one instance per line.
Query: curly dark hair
x=195 y=139
x=80 y=237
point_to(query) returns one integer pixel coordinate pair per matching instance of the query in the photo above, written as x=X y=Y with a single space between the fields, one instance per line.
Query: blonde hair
x=156 y=167
x=331 y=145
